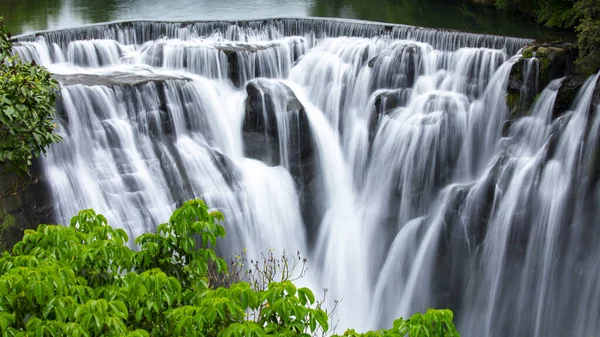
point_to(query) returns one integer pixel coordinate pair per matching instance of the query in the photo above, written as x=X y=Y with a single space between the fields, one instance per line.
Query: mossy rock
x=528 y=52
x=555 y=60
x=541 y=52
x=512 y=101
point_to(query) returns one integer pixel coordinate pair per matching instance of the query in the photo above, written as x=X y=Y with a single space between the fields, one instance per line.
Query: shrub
x=27 y=98
x=83 y=280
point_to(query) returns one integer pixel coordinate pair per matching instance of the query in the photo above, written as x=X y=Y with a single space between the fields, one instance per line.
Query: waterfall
x=385 y=153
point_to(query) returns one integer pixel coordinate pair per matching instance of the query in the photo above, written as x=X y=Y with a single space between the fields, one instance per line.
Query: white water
x=418 y=203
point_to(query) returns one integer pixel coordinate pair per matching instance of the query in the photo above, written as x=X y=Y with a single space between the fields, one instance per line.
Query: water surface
x=32 y=15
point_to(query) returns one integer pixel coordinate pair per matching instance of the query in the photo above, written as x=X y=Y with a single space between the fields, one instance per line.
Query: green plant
x=433 y=323
x=83 y=280
x=27 y=98
x=7 y=223
x=552 y=13
x=589 y=35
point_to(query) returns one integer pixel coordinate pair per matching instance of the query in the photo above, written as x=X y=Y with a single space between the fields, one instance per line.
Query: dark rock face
x=233 y=54
x=566 y=94
x=276 y=124
x=30 y=207
x=386 y=101
x=271 y=105
x=247 y=61
x=397 y=67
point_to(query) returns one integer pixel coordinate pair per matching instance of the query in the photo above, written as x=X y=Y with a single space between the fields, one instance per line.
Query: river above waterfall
x=33 y=15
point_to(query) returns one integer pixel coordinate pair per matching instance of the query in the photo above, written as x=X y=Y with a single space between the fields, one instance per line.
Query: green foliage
x=27 y=97
x=523 y=6
x=552 y=13
x=7 y=223
x=83 y=280
x=583 y=15
x=557 y=13
x=589 y=35
x=433 y=323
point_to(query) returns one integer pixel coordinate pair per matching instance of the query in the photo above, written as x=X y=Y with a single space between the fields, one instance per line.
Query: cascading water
x=376 y=150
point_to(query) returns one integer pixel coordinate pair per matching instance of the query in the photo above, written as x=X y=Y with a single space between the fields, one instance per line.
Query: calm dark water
x=24 y=16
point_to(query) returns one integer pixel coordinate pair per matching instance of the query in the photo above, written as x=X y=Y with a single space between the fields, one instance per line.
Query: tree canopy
x=583 y=15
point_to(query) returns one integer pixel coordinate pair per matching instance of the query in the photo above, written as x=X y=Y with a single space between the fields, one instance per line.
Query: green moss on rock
x=512 y=101
x=541 y=52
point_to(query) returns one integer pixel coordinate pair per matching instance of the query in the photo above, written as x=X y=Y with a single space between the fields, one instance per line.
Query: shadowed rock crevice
x=30 y=207
x=276 y=131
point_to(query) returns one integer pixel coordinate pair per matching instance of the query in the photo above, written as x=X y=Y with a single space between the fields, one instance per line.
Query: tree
x=552 y=13
x=27 y=103
x=583 y=15
x=589 y=35
x=83 y=280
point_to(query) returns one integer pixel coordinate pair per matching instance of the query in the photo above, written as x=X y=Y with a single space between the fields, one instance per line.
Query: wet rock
x=556 y=60
x=30 y=207
x=397 y=67
x=386 y=101
x=389 y=100
x=228 y=169
x=540 y=64
x=238 y=54
x=232 y=52
x=269 y=106
x=132 y=96
x=566 y=94
x=110 y=79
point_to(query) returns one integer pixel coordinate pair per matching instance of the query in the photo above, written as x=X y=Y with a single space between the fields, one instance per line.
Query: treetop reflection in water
x=32 y=15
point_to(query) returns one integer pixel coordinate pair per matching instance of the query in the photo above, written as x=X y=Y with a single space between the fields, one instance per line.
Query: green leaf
x=305 y=294
x=6 y=320
x=322 y=319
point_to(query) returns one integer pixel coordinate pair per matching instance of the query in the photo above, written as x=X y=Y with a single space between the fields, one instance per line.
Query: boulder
x=271 y=104
x=238 y=55
x=397 y=67
x=386 y=101
x=540 y=64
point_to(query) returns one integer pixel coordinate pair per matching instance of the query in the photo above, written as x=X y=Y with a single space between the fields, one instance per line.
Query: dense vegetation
x=83 y=280
x=582 y=15
x=27 y=98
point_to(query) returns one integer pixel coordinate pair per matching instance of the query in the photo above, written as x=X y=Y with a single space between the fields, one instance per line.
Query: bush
x=83 y=280
x=27 y=98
